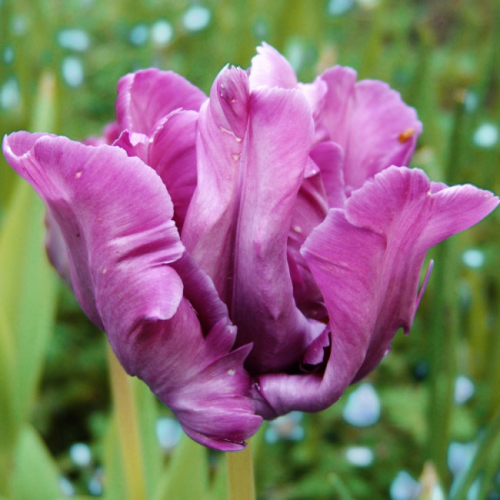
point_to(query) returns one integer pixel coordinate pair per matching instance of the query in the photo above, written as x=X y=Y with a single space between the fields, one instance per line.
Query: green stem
x=128 y=429
x=240 y=477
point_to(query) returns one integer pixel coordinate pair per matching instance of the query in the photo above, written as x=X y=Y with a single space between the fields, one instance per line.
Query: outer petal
x=115 y=216
x=149 y=95
x=370 y=122
x=367 y=264
x=269 y=68
x=203 y=383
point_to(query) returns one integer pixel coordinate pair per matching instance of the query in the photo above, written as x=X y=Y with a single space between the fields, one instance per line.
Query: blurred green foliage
x=442 y=55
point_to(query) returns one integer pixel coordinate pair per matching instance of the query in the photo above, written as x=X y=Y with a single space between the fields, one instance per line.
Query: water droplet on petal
x=231 y=371
x=72 y=71
x=196 y=18
x=363 y=406
x=162 y=32
x=360 y=456
x=485 y=136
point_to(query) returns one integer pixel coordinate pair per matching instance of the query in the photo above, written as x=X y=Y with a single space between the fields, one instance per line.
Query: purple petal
x=367 y=265
x=309 y=210
x=252 y=153
x=274 y=158
x=115 y=216
x=205 y=385
x=329 y=157
x=171 y=151
x=370 y=122
x=271 y=69
x=211 y=217
x=147 y=96
x=173 y=155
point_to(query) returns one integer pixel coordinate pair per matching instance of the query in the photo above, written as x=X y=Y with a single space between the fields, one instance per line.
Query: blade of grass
x=186 y=476
x=130 y=439
x=35 y=475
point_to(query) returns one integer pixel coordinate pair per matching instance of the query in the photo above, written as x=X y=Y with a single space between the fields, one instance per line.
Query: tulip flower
x=250 y=253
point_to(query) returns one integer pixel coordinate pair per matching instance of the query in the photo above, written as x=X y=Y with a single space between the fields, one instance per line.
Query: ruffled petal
x=171 y=152
x=205 y=385
x=212 y=214
x=367 y=262
x=252 y=152
x=115 y=216
x=368 y=119
x=270 y=69
x=147 y=96
x=273 y=160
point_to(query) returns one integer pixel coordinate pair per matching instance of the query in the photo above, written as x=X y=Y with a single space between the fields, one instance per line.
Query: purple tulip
x=251 y=253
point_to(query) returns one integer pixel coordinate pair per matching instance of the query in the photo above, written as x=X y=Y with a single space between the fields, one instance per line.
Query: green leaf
x=27 y=295
x=35 y=476
x=113 y=464
x=187 y=475
x=219 y=486
x=145 y=403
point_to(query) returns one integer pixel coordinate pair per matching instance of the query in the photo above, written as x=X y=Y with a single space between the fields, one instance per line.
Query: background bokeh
x=428 y=407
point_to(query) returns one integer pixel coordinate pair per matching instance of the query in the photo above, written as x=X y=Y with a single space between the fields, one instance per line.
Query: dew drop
x=231 y=371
